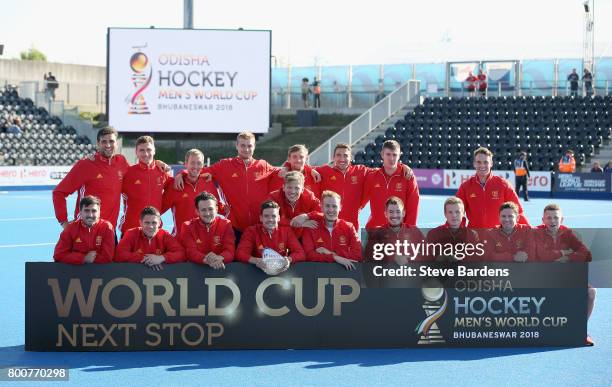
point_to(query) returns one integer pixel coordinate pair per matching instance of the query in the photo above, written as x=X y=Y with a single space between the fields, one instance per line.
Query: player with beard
x=510 y=241
x=269 y=234
x=89 y=239
x=208 y=239
x=395 y=230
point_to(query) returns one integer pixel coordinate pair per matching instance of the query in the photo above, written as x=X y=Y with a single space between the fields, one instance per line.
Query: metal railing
x=368 y=121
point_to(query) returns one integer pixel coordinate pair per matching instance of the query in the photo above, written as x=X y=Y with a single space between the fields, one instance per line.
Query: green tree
x=33 y=54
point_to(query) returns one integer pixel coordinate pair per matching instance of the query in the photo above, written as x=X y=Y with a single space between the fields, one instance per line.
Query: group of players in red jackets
x=303 y=213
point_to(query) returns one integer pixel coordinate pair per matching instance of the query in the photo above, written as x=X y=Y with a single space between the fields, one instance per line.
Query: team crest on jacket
x=78 y=240
x=120 y=175
x=472 y=195
x=377 y=185
x=99 y=176
x=354 y=180
x=198 y=240
x=159 y=180
x=217 y=240
x=234 y=174
x=333 y=178
x=281 y=246
x=519 y=244
x=185 y=195
x=498 y=244
x=260 y=247
x=342 y=240
x=137 y=182
x=98 y=240
x=139 y=251
x=398 y=186
x=495 y=194
x=320 y=240
x=158 y=251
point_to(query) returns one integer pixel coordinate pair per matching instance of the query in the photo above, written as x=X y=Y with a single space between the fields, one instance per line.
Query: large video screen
x=194 y=81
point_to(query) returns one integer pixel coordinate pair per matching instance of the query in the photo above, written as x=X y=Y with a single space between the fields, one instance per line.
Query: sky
x=322 y=32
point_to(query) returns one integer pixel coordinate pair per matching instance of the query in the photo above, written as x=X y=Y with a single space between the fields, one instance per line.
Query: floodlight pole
x=188 y=14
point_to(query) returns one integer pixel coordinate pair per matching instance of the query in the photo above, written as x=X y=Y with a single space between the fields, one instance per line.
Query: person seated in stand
x=208 y=239
x=269 y=234
x=510 y=241
x=334 y=240
x=454 y=232
x=395 y=230
x=87 y=239
x=149 y=244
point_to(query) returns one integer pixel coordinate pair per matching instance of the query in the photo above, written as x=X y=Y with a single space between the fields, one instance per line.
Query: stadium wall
x=14 y=71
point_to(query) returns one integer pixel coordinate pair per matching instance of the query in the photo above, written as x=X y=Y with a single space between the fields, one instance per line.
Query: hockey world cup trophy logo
x=142 y=72
x=436 y=302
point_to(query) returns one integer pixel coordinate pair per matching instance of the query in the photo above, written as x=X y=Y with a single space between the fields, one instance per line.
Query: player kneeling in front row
x=557 y=243
x=259 y=239
x=334 y=240
x=510 y=241
x=88 y=239
x=208 y=239
x=395 y=232
x=148 y=244
x=455 y=232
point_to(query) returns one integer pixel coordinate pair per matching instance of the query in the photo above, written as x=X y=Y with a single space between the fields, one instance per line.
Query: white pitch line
x=28 y=245
x=20 y=219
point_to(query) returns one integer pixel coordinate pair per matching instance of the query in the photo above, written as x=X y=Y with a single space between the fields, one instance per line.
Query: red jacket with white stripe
x=182 y=203
x=342 y=240
x=199 y=239
x=256 y=238
x=77 y=240
x=349 y=185
x=482 y=202
x=101 y=177
x=379 y=187
x=549 y=249
x=244 y=188
x=134 y=245
x=143 y=186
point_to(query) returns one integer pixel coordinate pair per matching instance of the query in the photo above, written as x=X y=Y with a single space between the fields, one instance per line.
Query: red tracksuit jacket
x=134 y=245
x=282 y=240
x=379 y=187
x=77 y=240
x=199 y=239
x=276 y=183
x=342 y=240
x=348 y=185
x=142 y=186
x=549 y=249
x=482 y=203
x=244 y=188
x=101 y=177
x=182 y=203
x=444 y=234
x=306 y=203
x=386 y=234
x=500 y=247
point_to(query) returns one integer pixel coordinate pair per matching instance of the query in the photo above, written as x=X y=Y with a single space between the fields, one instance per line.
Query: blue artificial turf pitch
x=28 y=232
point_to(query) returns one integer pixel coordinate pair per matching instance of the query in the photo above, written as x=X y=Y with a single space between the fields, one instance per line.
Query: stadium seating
x=44 y=140
x=443 y=132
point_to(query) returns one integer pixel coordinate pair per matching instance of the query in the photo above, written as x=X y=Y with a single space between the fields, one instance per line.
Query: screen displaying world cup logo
x=436 y=302
x=142 y=72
